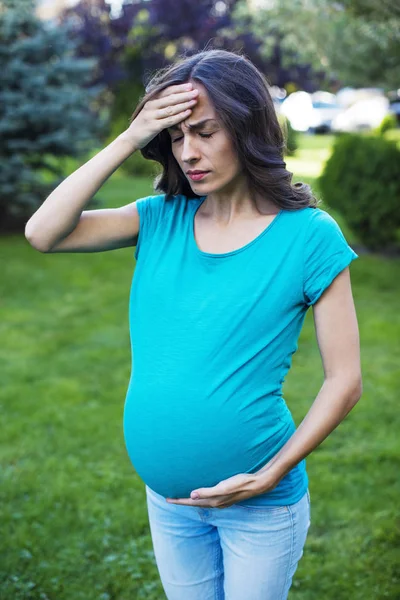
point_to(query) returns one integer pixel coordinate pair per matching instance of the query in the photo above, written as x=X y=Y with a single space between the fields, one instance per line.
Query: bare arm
x=101 y=230
x=60 y=225
x=338 y=340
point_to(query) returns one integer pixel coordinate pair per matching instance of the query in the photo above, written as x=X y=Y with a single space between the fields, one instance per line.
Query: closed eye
x=203 y=135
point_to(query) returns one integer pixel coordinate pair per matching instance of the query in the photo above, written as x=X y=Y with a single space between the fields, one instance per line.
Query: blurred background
x=73 y=511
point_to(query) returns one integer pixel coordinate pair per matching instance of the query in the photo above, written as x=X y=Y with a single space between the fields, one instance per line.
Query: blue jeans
x=234 y=553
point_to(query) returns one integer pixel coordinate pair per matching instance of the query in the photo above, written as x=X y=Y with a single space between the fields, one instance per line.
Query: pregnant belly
x=178 y=444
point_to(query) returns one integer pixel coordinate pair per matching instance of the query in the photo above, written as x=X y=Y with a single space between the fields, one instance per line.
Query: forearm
x=334 y=401
x=60 y=212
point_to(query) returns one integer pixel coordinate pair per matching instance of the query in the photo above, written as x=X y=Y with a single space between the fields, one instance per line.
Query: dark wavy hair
x=241 y=98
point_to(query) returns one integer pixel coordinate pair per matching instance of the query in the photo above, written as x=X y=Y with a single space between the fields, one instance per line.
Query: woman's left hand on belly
x=227 y=492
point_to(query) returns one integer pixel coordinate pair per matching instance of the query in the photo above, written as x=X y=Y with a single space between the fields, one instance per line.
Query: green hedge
x=290 y=135
x=361 y=180
x=137 y=166
x=387 y=123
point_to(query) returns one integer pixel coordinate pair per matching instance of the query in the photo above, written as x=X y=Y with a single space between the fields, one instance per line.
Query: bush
x=361 y=180
x=290 y=135
x=45 y=110
x=388 y=122
x=137 y=166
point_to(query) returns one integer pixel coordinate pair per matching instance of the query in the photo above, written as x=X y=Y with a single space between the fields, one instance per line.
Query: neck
x=235 y=202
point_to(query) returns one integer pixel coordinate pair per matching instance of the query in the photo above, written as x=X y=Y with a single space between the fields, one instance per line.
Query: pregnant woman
x=230 y=255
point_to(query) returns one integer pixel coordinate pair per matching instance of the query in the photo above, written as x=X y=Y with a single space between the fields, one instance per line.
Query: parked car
x=362 y=115
x=311 y=113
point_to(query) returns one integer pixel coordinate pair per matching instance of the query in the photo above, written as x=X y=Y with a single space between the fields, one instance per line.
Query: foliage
x=361 y=180
x=383 y=11
x=388 y=122
x=147 y=35
x=45 y=111
x=290 y=135
x=347 y=41
x=138 y=166
x=99 y=35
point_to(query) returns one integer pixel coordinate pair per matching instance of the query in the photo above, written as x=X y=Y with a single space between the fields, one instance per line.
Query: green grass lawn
x=73 y=515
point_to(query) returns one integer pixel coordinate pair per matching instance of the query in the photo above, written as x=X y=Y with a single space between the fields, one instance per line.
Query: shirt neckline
x=232 y=252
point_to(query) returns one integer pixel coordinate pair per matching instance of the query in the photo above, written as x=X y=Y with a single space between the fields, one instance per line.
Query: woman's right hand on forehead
x=168 y=108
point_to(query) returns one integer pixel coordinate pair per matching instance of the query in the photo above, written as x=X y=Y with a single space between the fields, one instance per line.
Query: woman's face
x=207 y=148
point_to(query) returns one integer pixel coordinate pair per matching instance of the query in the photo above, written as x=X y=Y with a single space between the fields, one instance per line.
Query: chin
x=199 y=187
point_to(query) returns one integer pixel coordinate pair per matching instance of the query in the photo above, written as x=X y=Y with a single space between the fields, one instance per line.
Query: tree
x=385 y=10
x=148 y=34
x=356 y=42
x=45 y=110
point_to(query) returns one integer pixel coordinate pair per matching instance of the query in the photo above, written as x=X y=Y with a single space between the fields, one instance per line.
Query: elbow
x=350 y=387
x=355 y=391
x=34 y=241
x=358 y=389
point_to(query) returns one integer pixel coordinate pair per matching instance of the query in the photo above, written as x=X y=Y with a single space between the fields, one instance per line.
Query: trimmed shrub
x=361 y=180
x=388 y=122
x=290 y=135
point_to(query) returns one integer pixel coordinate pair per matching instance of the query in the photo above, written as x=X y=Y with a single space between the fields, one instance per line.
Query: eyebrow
x=193 y=126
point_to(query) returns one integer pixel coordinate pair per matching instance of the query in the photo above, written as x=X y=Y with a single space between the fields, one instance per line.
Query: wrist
x=267 y=478
x=128 y=141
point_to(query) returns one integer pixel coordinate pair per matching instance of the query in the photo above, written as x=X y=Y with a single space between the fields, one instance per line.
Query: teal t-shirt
x=212 y=339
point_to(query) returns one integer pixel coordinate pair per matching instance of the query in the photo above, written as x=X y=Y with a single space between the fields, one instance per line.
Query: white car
x=362 y=115
x=311 y=112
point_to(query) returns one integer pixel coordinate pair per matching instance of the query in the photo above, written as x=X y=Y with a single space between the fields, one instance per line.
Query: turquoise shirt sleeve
x=149 y=209
x=326 y=254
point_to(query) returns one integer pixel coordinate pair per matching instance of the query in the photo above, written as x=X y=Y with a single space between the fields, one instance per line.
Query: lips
x=197 y=176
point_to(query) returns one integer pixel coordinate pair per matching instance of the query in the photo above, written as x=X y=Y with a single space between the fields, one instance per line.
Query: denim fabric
x=235 y=553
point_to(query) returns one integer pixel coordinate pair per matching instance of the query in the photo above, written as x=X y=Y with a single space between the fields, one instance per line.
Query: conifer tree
x=46 y=109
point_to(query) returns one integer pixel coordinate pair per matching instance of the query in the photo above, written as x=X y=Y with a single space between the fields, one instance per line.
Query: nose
x=189 y=149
